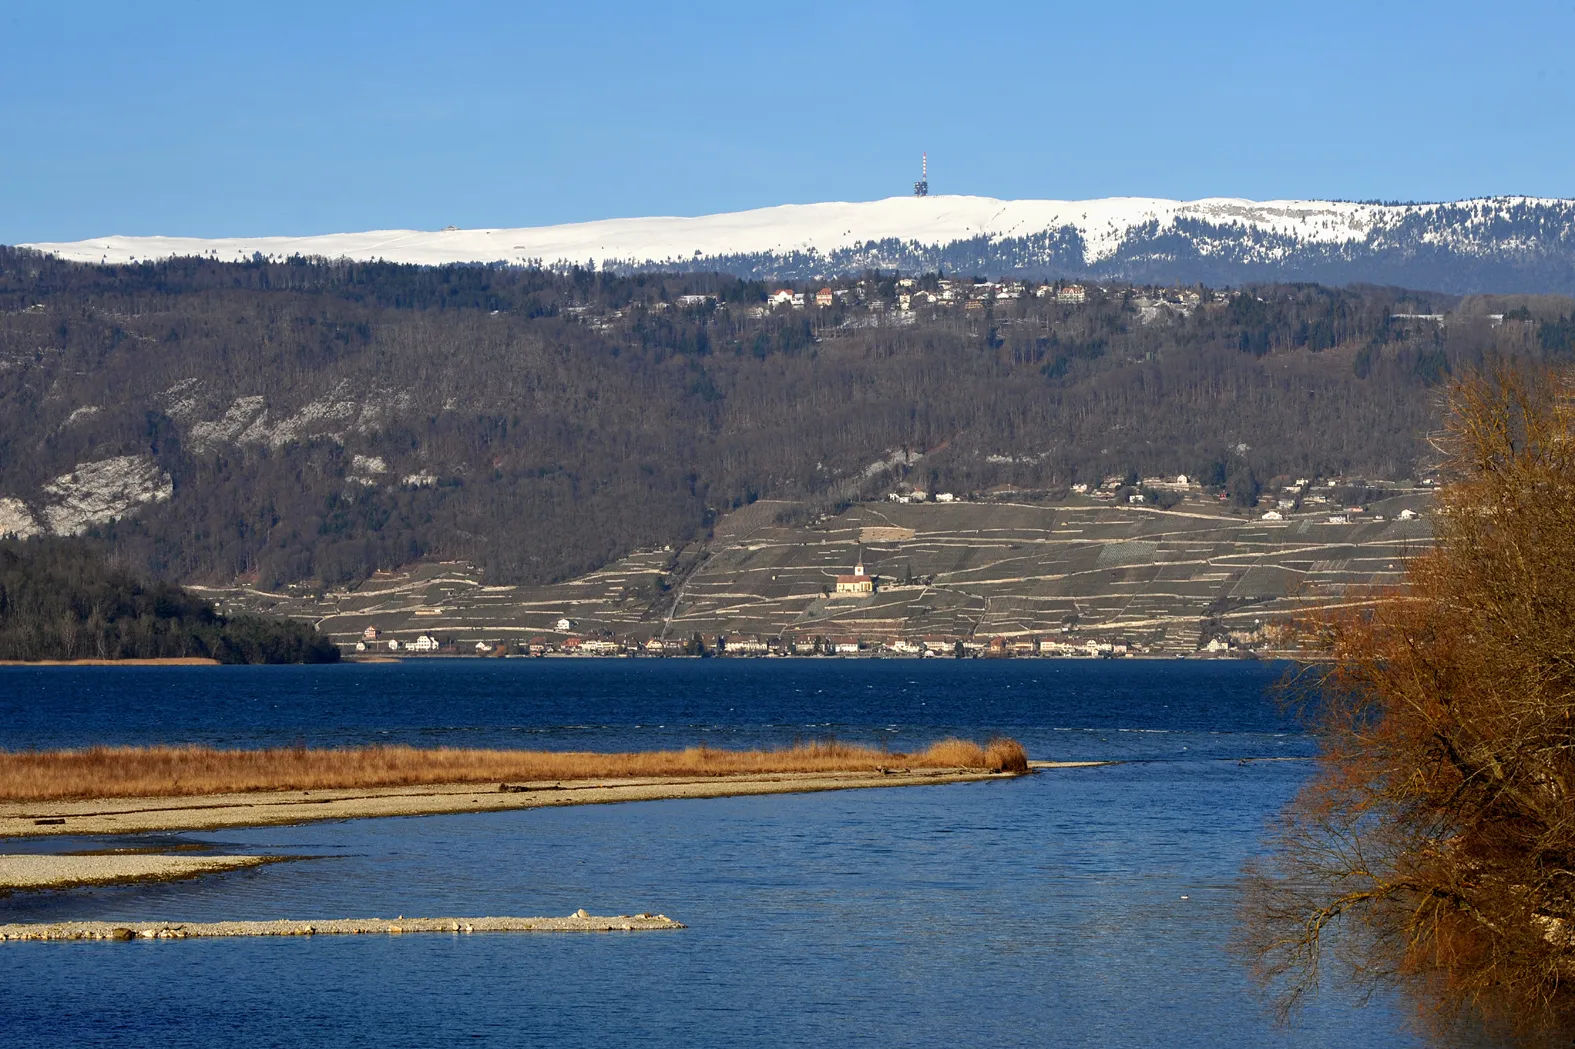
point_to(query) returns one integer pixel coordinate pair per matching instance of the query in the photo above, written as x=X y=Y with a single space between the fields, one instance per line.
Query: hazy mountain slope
x=1499 y=244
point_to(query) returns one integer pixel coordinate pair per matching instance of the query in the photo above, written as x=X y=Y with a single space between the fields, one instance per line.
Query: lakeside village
x=1313 y=502
x=372 y=643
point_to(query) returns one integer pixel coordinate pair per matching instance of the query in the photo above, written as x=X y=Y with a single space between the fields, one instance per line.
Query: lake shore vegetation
x=108 y=772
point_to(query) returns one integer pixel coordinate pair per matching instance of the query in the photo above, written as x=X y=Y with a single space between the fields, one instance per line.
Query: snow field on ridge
x=937 y=220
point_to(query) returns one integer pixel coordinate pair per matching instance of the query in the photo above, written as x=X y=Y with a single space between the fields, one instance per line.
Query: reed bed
x=118 y=772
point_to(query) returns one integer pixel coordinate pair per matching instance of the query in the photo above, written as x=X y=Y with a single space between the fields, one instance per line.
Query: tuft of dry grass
x=119 y=772
x=998 y=755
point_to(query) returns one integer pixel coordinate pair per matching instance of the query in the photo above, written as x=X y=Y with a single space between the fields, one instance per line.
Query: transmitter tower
x=921 y=188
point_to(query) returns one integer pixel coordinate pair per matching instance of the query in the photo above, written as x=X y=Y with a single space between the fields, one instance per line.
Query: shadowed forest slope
x=309 y=420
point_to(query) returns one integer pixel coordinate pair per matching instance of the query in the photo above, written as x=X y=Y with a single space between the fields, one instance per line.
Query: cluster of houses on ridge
x=876 y=301
x=902 y=295
x=1309 y=498
x=911 y=294
x=1304 y=497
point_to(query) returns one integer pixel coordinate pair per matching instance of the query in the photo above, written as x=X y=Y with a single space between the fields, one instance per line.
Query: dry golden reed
x=117 y=772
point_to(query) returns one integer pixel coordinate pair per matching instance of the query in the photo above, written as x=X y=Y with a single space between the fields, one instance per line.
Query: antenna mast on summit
x=921 y=188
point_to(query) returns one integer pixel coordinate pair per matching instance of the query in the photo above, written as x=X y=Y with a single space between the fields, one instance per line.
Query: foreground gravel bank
x=580 y=921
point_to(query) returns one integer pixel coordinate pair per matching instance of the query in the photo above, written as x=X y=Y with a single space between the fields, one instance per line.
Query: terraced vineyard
x=1163 y=581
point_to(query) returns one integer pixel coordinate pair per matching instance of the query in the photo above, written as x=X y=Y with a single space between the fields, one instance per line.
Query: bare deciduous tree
x=1435 y=847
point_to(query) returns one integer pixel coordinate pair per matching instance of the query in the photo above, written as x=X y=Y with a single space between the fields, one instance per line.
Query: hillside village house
x=424 y=643
x=371 y=633
x=858 y=584
x=824 y=298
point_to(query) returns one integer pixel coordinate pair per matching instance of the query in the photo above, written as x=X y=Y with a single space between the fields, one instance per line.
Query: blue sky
x=294 y=118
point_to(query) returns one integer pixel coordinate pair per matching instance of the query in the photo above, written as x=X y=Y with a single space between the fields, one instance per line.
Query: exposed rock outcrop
x=99 y=492
x=16 y=520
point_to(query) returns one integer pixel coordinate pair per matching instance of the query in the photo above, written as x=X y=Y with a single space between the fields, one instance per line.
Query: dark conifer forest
x=315 y=421
x=61 y=599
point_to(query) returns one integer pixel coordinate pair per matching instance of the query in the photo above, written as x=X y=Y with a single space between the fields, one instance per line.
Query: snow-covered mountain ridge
x=1488 y=244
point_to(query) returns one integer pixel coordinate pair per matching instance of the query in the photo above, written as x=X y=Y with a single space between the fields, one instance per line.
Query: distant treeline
x=61 y=599
x=320 y=420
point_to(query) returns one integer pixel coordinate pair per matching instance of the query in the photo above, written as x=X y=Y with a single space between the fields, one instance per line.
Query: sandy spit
x=580 y=921
x=1070 y=764
x=59 y=872
x=214 y=811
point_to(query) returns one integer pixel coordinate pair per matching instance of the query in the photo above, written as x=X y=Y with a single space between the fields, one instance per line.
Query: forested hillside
x=313 y=421
x=60 y=599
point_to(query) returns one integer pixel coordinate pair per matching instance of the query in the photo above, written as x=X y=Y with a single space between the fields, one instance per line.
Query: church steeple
x=860 y=582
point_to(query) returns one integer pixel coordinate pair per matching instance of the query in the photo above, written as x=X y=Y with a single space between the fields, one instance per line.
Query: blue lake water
x=1086 y=907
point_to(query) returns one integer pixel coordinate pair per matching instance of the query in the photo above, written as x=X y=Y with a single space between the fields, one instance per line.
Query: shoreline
x=352 y=657
x=172 y=661
x=271 y=808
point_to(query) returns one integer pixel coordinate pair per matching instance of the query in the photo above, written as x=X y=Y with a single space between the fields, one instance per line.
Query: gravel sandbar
x=24 y=872
x=580 y=921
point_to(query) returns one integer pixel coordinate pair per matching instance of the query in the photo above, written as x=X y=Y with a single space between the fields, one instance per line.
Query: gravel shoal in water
x=577 y=922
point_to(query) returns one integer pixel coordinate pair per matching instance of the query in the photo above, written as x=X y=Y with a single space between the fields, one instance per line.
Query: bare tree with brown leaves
x=1434 y=850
